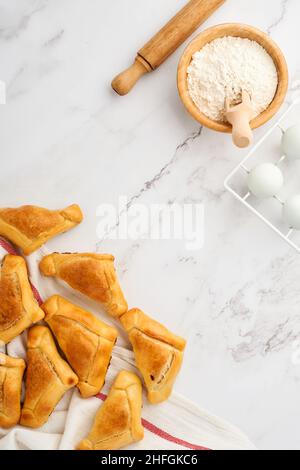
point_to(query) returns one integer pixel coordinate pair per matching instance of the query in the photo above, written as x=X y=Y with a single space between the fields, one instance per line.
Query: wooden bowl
x=243 y=31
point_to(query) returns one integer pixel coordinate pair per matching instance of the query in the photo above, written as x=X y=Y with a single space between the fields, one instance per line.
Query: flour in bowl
x=225 y=67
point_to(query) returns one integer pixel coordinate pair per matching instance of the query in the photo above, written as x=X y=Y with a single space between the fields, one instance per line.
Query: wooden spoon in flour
x=239 y=116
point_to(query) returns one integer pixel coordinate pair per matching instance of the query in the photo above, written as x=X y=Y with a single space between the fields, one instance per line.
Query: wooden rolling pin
x=165 y=42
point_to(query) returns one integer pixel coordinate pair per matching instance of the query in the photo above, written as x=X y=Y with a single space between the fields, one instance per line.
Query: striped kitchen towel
x=176 y=424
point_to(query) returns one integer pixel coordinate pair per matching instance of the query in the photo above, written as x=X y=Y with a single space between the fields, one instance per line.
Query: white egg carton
x=272 y=210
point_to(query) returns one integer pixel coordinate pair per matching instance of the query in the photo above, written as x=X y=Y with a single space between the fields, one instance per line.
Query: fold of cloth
x=174 y=424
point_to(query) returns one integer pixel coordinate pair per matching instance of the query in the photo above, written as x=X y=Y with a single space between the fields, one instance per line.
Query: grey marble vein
x=254 y=315
x=165 y=170
x=295 y=86
x=278 y=21
x=148 y=185
x=54 y=39
x=21 y=25
x=19 y=72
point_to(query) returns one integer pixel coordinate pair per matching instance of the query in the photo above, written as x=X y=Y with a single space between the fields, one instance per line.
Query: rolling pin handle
x=125 y=81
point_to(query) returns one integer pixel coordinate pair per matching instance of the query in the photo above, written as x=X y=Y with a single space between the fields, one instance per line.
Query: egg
x=291 y=212
x=265 y=180
x=291 y=143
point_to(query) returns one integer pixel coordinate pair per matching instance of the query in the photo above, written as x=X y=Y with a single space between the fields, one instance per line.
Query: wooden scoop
x=239 y=116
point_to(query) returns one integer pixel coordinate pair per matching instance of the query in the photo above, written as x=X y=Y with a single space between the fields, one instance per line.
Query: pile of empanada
x=70 y=331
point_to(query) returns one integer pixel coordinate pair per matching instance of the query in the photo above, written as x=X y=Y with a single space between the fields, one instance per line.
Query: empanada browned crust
x=11 y=373
x=48 y=377
x=158 y=353
x=91 y=274
x=18 y=307
x=29 y=227
x=118 y=421
x=86 y=342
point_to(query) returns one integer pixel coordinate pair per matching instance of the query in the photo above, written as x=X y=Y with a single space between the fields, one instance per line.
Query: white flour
x=225 y=67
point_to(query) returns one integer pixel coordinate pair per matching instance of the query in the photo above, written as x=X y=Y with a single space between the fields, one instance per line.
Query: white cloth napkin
x=173 y=425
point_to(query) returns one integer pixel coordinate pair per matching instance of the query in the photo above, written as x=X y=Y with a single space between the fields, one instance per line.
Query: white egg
x=291 y=143
x=291 y=212
x=265 y=180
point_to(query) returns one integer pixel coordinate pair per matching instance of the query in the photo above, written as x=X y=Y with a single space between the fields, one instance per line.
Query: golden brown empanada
x=118 y=421
x=158 y=353
x=91 y=274
x=48 y=377
x=18 y=307
x=11 y=373
x=29 y=227
x=86 y=342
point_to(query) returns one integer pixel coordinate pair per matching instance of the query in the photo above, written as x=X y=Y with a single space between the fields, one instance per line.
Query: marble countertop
x=67 y=137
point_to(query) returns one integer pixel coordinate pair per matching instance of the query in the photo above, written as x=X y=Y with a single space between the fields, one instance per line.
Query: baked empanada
x=11 y=373
x=158 y=353
x=86 y=342
x=91 y=274
x=118 y=421
x=18 y=307
x=29 y=227
x=48 y=377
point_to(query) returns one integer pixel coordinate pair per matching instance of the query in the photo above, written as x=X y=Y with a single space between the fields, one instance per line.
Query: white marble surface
x=66 y=137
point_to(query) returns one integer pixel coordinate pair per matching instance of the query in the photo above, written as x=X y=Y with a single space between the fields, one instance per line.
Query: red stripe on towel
x=36 y=294
x=7 y=246
x=162 y=434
